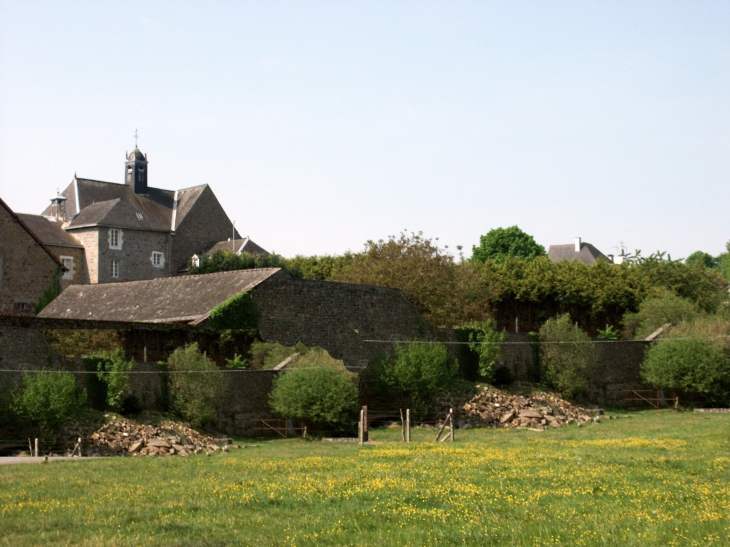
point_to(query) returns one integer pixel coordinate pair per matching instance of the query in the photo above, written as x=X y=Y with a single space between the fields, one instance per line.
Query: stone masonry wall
x=79 y=274
x=338 y=317
x=135 y=256
x=205 y=224
x=89 y=238
x=26 y=269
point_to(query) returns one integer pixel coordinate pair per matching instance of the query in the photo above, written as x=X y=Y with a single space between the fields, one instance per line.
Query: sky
x=321 y=125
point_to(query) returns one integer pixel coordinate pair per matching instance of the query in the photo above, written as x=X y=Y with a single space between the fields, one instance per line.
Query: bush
x=322 y=395
x=697 y=366
x=112 y=384
x=238 y=312
x=48 y=400
x=665 y=308
x=195 y=382
x=565 y=353
x=420 y=371
x=484 y=341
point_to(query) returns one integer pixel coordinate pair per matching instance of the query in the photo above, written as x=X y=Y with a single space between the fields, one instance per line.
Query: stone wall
x=89 y=238
x=617 y=368
x=26 y=268
x=134 y=257
x=204 y=225
x=78 y=274
x=338 y=317
x=246 y=399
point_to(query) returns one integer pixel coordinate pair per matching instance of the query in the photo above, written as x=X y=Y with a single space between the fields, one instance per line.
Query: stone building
x=27 y=266
x=131 y=231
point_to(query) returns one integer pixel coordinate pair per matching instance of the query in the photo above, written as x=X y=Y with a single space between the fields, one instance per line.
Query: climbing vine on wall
x=239 y=313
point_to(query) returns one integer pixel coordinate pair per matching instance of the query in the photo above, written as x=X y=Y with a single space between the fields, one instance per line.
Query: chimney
x=577 y=244
x=610 y=259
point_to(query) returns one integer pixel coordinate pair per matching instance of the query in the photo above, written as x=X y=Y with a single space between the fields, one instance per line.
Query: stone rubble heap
x=491 y=407
x=121 y=437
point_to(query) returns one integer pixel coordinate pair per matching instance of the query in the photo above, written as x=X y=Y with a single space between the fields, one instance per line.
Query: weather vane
x=135 y=137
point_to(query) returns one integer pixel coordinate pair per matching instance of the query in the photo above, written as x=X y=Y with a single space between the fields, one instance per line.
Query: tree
x=443 y=292
x=195 y=384
x=664 y=308
x=48 y=400
x=225 y=261
x=323 y=395
x=694 y=365
x=484 y=340
x=566 y=352
x=702 y=258
x=420 y=371
x=500 y=243
x=112 y=379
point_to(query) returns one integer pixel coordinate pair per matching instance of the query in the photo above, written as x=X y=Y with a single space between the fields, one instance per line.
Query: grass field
x=657 y=478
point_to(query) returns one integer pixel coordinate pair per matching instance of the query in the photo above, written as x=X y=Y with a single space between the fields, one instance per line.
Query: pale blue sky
x=321 y=125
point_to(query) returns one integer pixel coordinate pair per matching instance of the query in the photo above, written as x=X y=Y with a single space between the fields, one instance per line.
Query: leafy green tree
x=664 y=308
x=566 y=351
x=195 y=384
x=48 y=399
x=723 y=263
x=696 y=366
x=113 y=372
x=444 y=293
x=420 y=371
x=323 y=395
x=321 y=268
x=225 y=261
x=500 y=243
x=484 y=340
x=702 y=258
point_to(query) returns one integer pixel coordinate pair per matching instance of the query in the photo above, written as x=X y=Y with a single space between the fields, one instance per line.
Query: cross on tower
x=135 y=137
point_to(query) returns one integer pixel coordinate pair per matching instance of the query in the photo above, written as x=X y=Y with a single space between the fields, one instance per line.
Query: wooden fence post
x=359 y=429
x=402 y=426
x=36 y=448
x=365 y=424
x=451 y=423
x=408 y=425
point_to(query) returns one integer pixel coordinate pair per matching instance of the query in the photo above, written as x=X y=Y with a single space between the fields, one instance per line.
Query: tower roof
x=136 y=155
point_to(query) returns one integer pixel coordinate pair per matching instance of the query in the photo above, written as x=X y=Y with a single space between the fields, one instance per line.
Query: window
x=115 y=268
x=115 y=238
x=139 y=216
x=68 y=263
x=158 y=259
x=22 y=306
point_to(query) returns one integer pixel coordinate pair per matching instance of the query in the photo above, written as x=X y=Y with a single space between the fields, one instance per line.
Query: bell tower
x=135 y=170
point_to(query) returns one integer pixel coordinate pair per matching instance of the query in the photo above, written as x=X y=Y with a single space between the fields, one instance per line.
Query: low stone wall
x=246 y=399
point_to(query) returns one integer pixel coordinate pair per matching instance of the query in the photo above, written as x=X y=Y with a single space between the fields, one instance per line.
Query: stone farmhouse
x=104 y=232
x=27 y=266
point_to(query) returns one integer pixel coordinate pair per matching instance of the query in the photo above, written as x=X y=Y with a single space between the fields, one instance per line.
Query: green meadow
x=656 y=478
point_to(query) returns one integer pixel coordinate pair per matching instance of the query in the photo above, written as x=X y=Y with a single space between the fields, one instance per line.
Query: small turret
x=135 y=171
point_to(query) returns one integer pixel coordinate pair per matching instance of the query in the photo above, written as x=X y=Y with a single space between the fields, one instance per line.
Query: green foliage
x=665 y=308
x=50 y=293
x=321 y=268
x=500 y=243
x=225 y=261
x=702 y=258
x=195 y=383
x=112 y=376
x=267 y=355
x=238 y=363
x=444 y=292
x=609 y=333
x=322 y=395
x=566 y=352
x=421 y=371
x=48 y=400
x=696 y=366
x=238 y=312
x=723 y=263
x=484 y=341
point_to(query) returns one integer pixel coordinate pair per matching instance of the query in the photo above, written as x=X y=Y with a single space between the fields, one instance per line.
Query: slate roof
x=32 y=234
x=588 y=253
x=49 y=231
x=98 y=203
x=188 y=298
x=238 y=246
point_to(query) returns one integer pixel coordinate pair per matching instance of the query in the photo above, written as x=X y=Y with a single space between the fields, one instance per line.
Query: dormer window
x=139 y=216
x=115 y=238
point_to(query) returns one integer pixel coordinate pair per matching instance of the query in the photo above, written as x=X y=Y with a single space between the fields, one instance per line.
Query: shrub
x=421 y=371
x=665 y=308
x=48 y=400
x=194 y=382
x=323 y=395
x=565 y=353
x=113 y=378
x=697 y=366
x=484 y=340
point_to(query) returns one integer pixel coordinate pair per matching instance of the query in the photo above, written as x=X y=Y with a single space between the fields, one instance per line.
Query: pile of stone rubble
x=121 y=437
x=491 y=407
